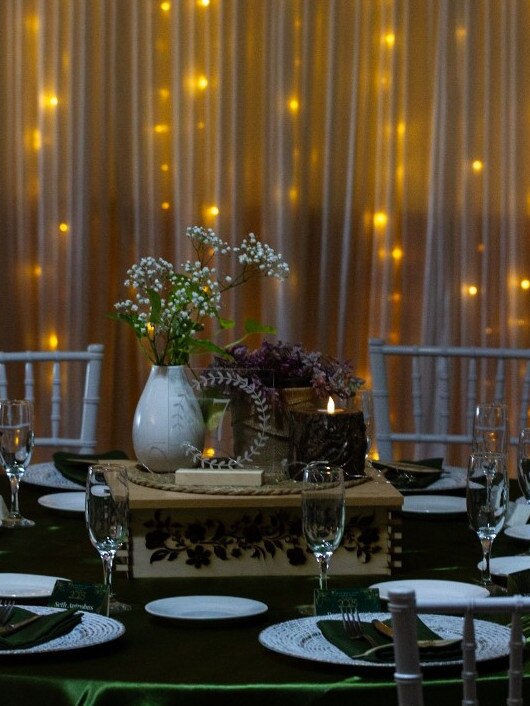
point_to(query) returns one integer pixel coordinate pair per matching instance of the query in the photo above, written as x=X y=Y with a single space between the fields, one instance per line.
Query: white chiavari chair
x=25 y=374
x=425 y=396
x=408 y=673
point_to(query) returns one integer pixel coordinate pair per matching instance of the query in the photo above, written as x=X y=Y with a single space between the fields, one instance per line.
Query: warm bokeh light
x=161 y=128
x=477 y=166
x=294 y=105
x=525 y=284
x=64 y=227
x=397 y=253
x=209 y=452
x=165 y=205
x=164 y=167
x=164 y=93
x=36 y=140
x=202 y=82
x=389 y=39
x=212 y=211
x=203 y=3
x=472 y=290
x=53 y=341
x=50 y=100
x=380 y=219
x=293 y=194
x=165 y=6
x=37 y=271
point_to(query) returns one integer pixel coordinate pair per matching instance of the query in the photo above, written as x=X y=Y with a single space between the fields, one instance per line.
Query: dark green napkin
x=333 y=631
x=404 y=480
x=46 y=628
x=76 y=470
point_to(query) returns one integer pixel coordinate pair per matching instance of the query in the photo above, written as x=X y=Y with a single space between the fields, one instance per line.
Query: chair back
x=48 y=379
x=408 y=673
x=425 y=396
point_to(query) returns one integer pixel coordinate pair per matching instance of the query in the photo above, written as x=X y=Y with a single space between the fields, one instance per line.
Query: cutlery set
x=7 y=608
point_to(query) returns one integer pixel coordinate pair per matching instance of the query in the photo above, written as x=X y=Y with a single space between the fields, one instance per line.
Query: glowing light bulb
x=294 y=105
x=53 y=341
x=202 y=82
x=472 y=290
x=477 y=166
x=525 y=284
x=64 y=227
x=397 y=253
x=212 y=211
x=380 y=219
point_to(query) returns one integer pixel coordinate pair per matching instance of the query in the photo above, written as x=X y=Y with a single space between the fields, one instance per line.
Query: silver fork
x=7 y=606
x=352 y=625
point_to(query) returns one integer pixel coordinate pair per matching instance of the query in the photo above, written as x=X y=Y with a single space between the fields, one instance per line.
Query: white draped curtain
x=381 y=145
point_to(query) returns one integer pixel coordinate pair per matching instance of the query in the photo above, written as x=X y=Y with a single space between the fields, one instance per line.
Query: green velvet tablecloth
x=162 y=663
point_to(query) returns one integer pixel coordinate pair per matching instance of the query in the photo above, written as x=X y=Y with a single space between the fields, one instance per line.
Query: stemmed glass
x=16 y=447
x=106 y=514
x=523 y=463
x=487 y=501
x=366 y=406
x=490 y=428
x=323 y=512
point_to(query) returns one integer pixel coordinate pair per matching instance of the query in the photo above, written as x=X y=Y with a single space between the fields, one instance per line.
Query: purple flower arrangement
x=281 y=365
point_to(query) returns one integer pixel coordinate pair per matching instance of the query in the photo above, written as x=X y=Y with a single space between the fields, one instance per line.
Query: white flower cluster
x=254 y=252
x=169 y=306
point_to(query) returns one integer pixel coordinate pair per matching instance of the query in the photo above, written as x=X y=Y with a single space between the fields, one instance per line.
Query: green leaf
x=199 y=345
x=226 y=323
x=253 y=326
x=156 y=306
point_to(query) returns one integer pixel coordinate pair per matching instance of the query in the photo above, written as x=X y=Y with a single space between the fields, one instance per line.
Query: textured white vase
x=167 y=420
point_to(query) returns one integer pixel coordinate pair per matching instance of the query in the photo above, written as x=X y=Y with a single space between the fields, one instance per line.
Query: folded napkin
x=409 y=478
x=75 y=466
x=333 y=631
x=43 y=629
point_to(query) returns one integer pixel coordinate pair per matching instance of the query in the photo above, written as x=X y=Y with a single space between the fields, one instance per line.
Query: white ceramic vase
x=167 y=420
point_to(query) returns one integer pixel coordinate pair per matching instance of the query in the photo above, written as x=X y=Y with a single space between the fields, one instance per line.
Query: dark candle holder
x=339 y=438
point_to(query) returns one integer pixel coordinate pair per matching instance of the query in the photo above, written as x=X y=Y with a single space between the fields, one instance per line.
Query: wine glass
x=16 y=447
x=323 y=512
x=523 y=463
x=487 y=501
x=365 y=403
x=490 y=428
x=106 y=514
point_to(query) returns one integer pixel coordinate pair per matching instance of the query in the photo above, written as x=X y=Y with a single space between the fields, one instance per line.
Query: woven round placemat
x=166 y=481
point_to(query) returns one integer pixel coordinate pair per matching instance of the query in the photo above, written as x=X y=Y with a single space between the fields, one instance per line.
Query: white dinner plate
x=47 y=476
x=27 y=585
x=433 y=505
x=205 y=607
x=302 y=638
x=520 y=532
x=94 y=629
x=66 y=502
x=429 y=590
x=505 y=565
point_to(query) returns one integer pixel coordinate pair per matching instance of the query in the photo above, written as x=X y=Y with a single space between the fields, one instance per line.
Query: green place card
x=85 y=596
x=330 y=601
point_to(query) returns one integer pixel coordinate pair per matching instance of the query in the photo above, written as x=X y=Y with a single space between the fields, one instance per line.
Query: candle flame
x=331 y=406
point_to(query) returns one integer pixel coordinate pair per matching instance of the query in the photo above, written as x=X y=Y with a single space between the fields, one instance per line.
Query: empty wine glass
x=16 y=447
x=365 y=403
x=490 y=428
x=323 y=512
x=487 y=501
x=523 y=463
x=106 y=513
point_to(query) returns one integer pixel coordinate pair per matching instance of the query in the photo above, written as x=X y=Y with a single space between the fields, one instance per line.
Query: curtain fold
x=380 y=145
